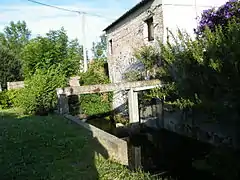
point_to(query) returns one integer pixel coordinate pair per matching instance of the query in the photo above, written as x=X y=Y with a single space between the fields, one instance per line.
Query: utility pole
x=85 y=64
x=196 y=10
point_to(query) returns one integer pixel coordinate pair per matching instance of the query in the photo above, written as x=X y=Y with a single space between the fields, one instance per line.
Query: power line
x=63 y=9
x=189 y=5
x=69 y=10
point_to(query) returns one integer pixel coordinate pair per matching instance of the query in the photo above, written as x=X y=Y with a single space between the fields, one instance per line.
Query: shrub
x=204 y=73
x=4 y=101
x=98 y=103
x=39 y=95
x=8 y=98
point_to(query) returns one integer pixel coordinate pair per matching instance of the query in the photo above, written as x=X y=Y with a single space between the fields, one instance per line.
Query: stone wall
x=128 y=35
x=15 y=85
x=73 y=81
x=197 y=126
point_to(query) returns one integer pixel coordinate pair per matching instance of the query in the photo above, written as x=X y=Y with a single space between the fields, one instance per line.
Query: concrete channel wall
x=116 y=148
x=157 y=117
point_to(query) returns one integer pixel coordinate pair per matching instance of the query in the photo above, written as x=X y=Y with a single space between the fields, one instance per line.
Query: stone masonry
x=15 y=85
x=126 y=35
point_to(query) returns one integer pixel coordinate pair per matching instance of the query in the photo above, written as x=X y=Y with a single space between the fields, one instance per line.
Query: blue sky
x=41 y=19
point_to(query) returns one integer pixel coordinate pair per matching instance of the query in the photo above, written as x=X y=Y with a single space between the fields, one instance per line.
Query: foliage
x=99 y=102
x=149 y=58
x=134 y=75
x=99 y=48
x=108 y=170
x=202 y=73
x=54 y=49
x=39 y=94
x=215 y=17
x=15 y=37
x=8 y=98
x=148 y=55
x=12 y=41
x=10 y=67
x=4 y=101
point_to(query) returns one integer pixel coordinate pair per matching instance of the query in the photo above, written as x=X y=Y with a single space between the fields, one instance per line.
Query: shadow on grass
x=46 y=147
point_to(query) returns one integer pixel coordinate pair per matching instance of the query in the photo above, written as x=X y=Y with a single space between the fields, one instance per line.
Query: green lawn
x=52 y=148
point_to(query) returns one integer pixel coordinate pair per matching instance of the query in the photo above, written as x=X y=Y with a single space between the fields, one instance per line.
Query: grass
x=52 y=148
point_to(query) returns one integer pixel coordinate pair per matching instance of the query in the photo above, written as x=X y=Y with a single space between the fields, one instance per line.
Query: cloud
x=41 y=19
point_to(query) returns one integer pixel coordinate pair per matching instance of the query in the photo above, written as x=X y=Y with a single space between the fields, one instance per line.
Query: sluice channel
x=162 y=153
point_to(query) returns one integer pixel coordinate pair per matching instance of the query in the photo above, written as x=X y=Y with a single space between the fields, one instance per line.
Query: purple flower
x=219 y=16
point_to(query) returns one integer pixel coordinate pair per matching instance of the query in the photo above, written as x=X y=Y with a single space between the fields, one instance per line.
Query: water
x=171 y=153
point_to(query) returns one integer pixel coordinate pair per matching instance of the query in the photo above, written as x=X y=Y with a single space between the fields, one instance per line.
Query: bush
x=39 y=95
x=8 y=98
x=203 y=73
x=206 y=71
x=98 y=103
x=4 y=101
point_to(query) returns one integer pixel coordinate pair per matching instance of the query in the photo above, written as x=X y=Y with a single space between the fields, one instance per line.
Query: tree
x=10 y=67
x=99 y=48
x=53 y=50
x=12 y=41
x=212 y=18
x=15 y=36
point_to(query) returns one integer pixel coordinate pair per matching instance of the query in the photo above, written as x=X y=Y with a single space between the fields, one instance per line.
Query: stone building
x=145 y=24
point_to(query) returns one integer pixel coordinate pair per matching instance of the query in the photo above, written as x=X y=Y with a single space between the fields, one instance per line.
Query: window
x=110 y=47
x=150 y=29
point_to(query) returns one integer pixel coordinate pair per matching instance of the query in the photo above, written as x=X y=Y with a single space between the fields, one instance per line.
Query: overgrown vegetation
x=98 y=103
x=9 y=99
x=53 y=50
x=12 y=41
x=93 y=104
x=202 y=73
x=44 y=63
x=39 y=95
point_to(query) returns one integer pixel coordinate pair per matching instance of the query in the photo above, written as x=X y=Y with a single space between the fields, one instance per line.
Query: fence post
x=133 y=106
x=63 y=107
x=160 y=113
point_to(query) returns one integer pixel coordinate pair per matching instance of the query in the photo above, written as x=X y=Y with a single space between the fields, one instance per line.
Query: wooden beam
x=109 y=87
